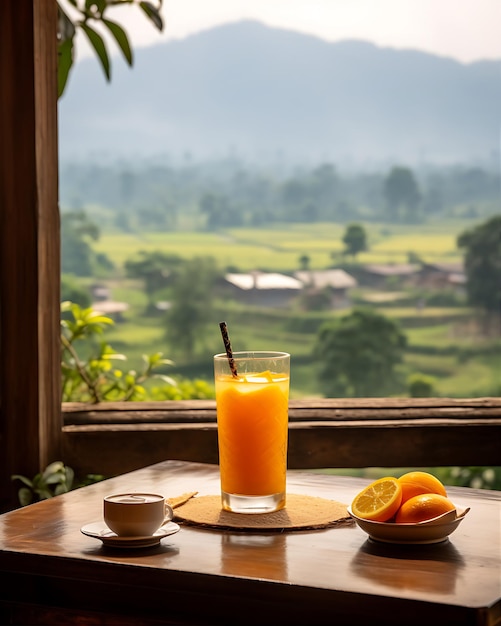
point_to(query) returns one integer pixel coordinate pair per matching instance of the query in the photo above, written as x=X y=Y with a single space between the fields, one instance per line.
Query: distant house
x=378 y=275
x=442 y=275
x=112 y=309
x=336 y=281
x=100 y=292
x=263 y=288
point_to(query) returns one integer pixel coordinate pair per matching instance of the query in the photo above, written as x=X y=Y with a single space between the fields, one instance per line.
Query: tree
x=324 y=184
x=76 y=253
x=402 y=194
x=304 y=262
x=220 y=213
x=355 y=239
x=358 y=353
x=192 y=295
x=294 y=193
x=421 y=386
x=482 y=261
x=323 y=192
x=85 y=15
x=155 y=269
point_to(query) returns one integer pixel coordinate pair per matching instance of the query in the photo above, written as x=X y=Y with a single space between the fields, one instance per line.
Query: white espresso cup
x=136 y=514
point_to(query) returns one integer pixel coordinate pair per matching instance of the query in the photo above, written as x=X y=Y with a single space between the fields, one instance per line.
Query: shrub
x=421 y=385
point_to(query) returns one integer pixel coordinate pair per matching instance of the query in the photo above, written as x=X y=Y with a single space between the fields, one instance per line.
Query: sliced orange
x=416 y=483
x=423 y=507
x=379 y=501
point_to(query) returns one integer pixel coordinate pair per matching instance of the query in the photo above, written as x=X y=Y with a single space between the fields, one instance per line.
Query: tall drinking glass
x=252 y=421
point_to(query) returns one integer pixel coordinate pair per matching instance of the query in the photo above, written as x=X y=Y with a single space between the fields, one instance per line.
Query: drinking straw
x=227 y=347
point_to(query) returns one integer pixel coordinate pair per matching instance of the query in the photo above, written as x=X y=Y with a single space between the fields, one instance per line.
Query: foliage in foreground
x=95 y=378
x=54 y=480
x=84 y=16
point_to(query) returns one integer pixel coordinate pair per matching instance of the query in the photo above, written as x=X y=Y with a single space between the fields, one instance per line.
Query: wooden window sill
x=113 y=438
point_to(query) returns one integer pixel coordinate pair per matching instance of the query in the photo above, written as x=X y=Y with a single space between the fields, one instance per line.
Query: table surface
x=203 y=576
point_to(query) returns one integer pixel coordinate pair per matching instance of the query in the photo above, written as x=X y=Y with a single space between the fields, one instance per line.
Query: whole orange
x=423 y=507
x=416 y=483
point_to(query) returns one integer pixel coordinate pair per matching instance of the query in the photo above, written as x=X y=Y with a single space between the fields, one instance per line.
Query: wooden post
x=30 y=417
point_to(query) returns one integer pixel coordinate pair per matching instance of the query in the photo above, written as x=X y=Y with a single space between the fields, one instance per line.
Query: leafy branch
x=85 y=15
x=54 y=480
x=94 y=379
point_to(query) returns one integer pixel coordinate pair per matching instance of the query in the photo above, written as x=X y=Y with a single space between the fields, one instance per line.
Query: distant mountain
x=267 y=93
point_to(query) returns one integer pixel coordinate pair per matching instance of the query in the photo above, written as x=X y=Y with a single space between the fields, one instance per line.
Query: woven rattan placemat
x=301 y=513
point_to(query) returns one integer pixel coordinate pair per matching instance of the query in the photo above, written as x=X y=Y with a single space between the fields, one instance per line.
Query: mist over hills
x=269 y=94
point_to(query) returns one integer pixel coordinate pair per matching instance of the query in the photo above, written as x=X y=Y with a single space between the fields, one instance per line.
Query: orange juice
x=252 y=418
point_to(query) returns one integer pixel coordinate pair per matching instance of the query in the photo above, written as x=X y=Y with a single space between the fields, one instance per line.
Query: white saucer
x=99 y=530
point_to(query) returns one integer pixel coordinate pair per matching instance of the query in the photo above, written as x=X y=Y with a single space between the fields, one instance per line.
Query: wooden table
x=52 y=574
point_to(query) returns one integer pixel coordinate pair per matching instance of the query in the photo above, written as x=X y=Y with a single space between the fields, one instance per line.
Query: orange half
x=379 y=501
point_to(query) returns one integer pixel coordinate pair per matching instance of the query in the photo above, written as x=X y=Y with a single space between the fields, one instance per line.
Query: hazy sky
x=466 y=30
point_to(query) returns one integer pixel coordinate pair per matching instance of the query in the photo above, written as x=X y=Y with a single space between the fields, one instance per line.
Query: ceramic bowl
x=431 y=531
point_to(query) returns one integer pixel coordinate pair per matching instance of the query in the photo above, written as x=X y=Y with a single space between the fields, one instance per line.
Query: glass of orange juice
x=252 y=400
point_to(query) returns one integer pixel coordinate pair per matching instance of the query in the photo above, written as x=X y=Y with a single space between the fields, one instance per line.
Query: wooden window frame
x=111 y=438
x=30 y=426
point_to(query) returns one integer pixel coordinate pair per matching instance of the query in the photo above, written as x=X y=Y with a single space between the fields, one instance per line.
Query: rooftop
x=338 y=279
x=393 y=269
x=264 y=280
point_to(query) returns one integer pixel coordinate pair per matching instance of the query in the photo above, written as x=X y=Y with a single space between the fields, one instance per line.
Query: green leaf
x=23 y=479
x=166 y=362
x=98 y=318
x=70 y=477
x=114 y=357
x=130 y=378
x=97 y=43
x=153 y=360
x=121 y=38
x=56 y=477
x=61 y=488
x=166 y=379
x=25 y=496
x=37 y=480
x=44 y=493
x=153 y=14
x=55 y=467
x=65 y=61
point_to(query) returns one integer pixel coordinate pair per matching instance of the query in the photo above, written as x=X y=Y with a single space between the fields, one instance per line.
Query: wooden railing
x=115 y=438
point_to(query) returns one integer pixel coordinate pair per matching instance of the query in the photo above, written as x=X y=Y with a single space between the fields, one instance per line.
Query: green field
x=279 y=248
x=443 y=342
x=437 y=349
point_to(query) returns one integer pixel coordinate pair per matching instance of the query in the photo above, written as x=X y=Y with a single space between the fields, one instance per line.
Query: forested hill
x=260 y=92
